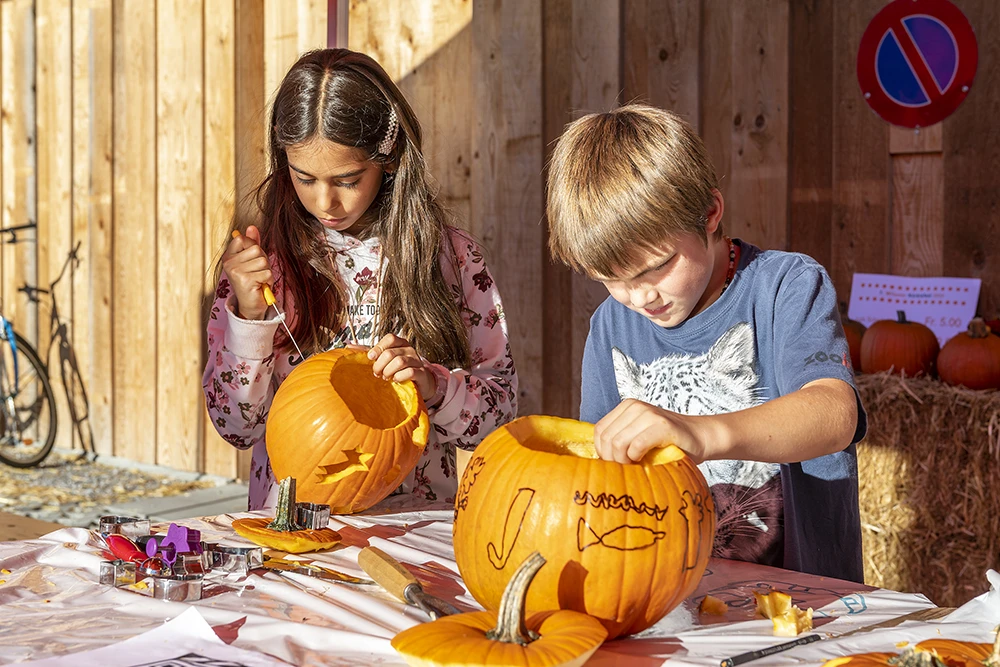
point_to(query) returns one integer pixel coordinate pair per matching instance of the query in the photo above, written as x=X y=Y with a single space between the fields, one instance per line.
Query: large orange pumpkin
x=346 y=436
x=971 y=358
x=906 y=347
x=624 y=543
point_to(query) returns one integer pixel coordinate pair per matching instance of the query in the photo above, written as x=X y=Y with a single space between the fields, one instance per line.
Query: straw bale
x=929 y=473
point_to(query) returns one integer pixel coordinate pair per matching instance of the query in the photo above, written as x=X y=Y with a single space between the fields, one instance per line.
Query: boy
x=734 y=354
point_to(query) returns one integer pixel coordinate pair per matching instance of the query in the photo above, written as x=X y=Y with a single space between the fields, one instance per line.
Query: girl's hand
x=248 y=271
x=633 y=428
x=396 y=360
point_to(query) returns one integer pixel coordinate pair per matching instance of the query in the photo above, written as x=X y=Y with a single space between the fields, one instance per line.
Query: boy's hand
x=396 y=360
x=633 y=428
x=248 y=270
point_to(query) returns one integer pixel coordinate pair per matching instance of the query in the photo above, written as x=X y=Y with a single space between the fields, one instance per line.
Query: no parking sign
x=916 y=61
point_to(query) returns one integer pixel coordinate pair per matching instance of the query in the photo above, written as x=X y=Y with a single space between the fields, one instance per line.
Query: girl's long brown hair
x=346 y=97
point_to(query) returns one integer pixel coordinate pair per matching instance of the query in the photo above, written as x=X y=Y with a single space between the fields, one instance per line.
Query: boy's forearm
x=819 y=419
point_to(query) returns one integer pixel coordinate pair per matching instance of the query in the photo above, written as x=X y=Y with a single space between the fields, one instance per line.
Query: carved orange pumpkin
x=347 y=437
x=854 y=332
x=624 y=543
x=906 y=347
x=971 y=358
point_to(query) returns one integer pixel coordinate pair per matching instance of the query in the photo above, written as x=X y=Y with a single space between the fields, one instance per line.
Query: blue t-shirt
x=774 y=329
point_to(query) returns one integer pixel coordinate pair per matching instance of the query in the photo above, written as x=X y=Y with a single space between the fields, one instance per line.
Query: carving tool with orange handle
x=271 y=301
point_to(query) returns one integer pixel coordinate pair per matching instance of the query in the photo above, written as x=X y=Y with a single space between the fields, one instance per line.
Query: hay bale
x=929 y=473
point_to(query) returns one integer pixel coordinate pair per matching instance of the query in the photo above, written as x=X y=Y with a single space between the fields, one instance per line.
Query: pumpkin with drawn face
x=624 y=543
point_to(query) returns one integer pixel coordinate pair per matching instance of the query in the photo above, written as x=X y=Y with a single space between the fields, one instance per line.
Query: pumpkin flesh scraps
x=773 y=604
x=793 y=622
x=712 y=606
x=787 y=619
x=543 y=639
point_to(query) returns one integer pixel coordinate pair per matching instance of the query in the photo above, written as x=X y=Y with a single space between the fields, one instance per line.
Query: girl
x=354 y=243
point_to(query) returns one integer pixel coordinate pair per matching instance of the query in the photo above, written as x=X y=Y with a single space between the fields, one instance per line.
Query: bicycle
x=27 y=403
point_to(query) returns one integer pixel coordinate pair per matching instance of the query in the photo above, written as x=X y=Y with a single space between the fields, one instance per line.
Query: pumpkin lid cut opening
x=568 y=437
x=374 y=402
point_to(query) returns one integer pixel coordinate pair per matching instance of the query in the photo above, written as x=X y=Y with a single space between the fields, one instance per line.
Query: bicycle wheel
x=27 y=405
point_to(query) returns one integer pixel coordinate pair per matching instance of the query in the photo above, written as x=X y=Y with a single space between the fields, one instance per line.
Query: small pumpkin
x=348 y=437
x=971 y=358
x=854 y=332
x=625 y=543
x=905 y=347
x=544 y=639
x=928 y=653
x=952 y=649
x=283 y=533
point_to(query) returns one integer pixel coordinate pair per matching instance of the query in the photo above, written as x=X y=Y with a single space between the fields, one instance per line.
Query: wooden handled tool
x=397 y=580
x=271 y=301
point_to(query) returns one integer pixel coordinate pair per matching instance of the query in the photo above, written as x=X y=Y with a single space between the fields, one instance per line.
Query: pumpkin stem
x=993 y=660
x=510 y=619
x=284 y=513
x=978 y=328
x=901 y=316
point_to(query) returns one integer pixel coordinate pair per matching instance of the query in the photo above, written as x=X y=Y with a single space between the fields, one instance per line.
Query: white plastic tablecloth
x=52 y=604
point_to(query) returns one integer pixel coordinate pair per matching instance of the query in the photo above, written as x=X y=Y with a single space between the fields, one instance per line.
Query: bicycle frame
x=8 y=334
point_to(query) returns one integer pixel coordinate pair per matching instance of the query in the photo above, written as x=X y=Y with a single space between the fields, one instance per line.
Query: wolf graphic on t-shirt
x=747 y=494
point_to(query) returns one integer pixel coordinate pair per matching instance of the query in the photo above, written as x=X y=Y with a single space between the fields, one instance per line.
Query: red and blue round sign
x=916 y=61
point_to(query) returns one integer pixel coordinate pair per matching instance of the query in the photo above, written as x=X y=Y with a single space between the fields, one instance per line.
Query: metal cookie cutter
x=117 y=573
x=238 y=560
x=194 y=563
x=312 y=516
x=129 y=526
x=179 y=587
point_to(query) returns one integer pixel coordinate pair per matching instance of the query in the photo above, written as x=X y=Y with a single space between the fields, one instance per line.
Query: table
x=51 y=602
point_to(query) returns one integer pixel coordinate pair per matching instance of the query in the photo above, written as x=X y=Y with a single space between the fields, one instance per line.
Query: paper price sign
x=944 y=305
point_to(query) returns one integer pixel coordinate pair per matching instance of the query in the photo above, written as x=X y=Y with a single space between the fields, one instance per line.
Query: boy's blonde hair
x=622 y=182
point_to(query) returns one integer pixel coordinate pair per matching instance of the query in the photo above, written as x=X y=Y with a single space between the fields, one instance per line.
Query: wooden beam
x=758 y=194
x=218 y=456
x=180 y=198
x=860 y=237
x=810 y=140
x=506 y=169
x=134 y=296
x=92 y=219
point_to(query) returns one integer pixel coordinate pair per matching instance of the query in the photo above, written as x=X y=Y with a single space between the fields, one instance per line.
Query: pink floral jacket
x=244 y=369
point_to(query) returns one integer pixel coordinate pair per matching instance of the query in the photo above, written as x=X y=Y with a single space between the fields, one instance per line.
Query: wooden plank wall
x=147 y=204
x=770 y=85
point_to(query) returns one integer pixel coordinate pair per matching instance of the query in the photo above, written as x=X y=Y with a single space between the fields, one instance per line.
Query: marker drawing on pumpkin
x=515 y=517
x=622 y=502
x=696 y=504
x=468 y=479
x=622 y=538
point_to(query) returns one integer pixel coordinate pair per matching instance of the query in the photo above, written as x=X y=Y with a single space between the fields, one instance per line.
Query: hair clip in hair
x=389 y=142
